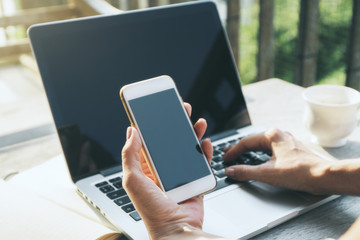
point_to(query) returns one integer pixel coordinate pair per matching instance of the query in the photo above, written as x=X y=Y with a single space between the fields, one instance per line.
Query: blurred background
x=323 y=26
x=305 y=42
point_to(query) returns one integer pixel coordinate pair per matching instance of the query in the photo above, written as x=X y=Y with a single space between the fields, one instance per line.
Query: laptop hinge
x=223 y=135
x=110 y=171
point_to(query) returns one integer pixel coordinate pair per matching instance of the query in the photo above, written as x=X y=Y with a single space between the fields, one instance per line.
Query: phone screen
x=169 y=138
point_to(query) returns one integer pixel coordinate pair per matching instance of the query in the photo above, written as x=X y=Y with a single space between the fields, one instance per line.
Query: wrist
x=320 y=177
x=184 y=231
x=177 y=231
x=340 y=177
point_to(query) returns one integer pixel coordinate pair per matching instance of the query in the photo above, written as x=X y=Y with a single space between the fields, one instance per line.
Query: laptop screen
x=85 y=62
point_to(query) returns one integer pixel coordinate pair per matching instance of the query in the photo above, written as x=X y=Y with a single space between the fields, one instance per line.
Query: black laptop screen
x=85 y=62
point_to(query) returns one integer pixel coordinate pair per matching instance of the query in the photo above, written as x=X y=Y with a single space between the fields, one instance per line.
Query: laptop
x=83 y=64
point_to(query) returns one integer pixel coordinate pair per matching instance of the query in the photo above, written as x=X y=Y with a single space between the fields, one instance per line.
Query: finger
x=207 y=148
x=145 y=167
x=245 y=172
x=188 y=108
x=132 y=156
x=200 y=128
x=131 y=152
x=262 y=141
x=135 y=181
x=288 y=134
x=143 y=192
x=253 y=142
x=276 y=135
x=225 y=149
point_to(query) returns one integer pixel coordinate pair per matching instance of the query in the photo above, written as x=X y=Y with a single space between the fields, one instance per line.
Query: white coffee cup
x=332 y=113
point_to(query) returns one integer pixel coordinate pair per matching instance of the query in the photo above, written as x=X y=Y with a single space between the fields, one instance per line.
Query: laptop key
x=219 y=166
x=115 y=179
x=264 y=157
x=224 y=182
x=101 y=184
x=217 y=159
x=222 y=149
x=256 y=158
x=122 y=201
x=118 y=185
x=116 y=194
x=256 y=162
x=222 y=145
x=220 y=174
x=128 y=208
x=251 y=155
x=243 y=160
x=229 y=163
x=135 y=215
x=217 y=152
x=232 y=142
x=107 y=189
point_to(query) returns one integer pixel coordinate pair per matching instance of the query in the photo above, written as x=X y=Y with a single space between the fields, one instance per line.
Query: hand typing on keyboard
x=219 y=166
x=291 y=164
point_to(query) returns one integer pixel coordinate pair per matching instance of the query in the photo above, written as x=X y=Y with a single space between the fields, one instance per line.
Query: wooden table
x=271 y=103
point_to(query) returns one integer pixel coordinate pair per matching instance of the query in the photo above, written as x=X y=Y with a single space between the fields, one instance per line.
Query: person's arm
x=294 y=166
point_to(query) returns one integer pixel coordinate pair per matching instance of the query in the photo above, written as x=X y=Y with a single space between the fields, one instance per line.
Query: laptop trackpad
x=249 y=208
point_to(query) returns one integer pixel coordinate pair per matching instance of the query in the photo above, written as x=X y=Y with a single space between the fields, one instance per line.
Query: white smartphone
x=170 y=145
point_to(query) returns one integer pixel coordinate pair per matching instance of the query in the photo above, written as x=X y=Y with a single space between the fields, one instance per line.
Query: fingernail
x=128 y=133
x=230 y=172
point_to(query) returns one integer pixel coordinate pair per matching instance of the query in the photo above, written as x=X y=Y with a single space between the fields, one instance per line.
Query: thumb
x=244 y=172
x=131 y=151
x=141 y=189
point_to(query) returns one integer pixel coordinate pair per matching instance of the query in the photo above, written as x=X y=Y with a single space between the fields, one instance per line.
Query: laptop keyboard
x=248 y=158
x=114 y=190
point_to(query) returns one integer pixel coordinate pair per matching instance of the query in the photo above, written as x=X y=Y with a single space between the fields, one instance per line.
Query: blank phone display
x=169 y=138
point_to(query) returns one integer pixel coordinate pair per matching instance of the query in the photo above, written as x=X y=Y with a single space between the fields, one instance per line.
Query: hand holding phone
x=161 y=215
x=170 y=145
